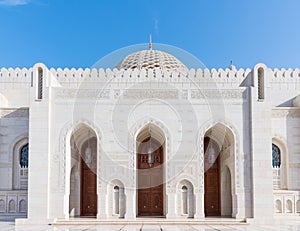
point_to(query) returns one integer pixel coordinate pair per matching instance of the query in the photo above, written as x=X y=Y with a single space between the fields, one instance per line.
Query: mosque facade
x=150 y=138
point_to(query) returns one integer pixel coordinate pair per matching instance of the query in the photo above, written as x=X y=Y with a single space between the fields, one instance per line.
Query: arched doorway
x=212 y=197
x=150 y=172
x=219 y=170
x=83 y=184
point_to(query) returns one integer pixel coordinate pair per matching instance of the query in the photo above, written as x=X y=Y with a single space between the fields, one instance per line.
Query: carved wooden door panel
x=150 y=184
x=211 y=179
x=157 y=201
x=88 y=191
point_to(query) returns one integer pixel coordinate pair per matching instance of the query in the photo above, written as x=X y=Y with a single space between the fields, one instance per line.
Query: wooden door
x=211 y=178
x=150 y=183
x=88 y=191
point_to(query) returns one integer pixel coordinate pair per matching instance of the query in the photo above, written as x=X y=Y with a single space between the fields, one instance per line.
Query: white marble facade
x=60 y=113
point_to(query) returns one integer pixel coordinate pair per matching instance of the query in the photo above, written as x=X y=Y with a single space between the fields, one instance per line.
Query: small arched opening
x=187 y=199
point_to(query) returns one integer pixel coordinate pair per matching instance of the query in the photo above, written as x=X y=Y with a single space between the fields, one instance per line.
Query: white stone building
x=150 y=138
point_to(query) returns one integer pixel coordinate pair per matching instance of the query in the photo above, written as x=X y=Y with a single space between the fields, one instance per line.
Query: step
x=151 y=221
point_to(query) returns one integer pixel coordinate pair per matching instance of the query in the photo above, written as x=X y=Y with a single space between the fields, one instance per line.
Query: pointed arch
x=66 y=137
x=230 y=135
x=151 y=174
x=226 y=138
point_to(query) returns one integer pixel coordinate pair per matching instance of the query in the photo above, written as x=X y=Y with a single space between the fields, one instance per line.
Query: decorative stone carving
x=216 y=93
x=150 y=94
x=281 y=113
x=57 y=166
x=82 y=93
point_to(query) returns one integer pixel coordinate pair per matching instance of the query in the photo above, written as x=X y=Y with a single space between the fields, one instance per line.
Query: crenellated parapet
x=66 y=75
x=284 y=79
x=98 y=74
x=15 y=75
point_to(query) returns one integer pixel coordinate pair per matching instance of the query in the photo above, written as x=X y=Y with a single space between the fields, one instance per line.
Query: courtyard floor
x=7 y=226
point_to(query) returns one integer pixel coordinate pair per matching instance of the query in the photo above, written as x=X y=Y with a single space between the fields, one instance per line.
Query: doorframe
x=159 y=128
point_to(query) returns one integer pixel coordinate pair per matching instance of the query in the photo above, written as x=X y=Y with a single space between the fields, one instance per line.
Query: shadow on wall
x=21 y=112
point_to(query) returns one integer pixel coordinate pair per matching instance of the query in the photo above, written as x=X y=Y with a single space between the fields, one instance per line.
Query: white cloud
x=14 y=2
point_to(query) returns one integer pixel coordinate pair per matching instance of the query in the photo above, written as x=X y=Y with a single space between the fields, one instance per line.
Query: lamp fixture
x=150 y=150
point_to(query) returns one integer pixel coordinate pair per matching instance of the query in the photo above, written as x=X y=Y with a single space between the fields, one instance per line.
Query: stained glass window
x=24 y=156
x=276 y=160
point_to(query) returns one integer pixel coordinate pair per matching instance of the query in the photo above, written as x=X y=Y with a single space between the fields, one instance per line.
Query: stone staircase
x=150 y=221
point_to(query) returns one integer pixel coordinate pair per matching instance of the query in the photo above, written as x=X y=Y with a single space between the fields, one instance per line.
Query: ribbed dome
x=150 y=59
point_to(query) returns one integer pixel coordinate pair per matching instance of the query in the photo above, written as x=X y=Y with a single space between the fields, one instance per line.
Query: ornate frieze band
x=216 y=93
x=150 y=94
x=281 y=113
x=83 y=93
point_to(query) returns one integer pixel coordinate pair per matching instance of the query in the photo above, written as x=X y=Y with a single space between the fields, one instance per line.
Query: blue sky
x=77 y=33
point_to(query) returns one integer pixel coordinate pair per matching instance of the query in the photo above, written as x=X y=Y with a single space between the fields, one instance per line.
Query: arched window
x=11 y=206
x=116 y=200
x=40 y=84
x=184 y=200
x=24 y=156
x=276 y=163
x=261 y=87
x=276 y=158
x=289 y=206
x=278 y=206
x=22 y=206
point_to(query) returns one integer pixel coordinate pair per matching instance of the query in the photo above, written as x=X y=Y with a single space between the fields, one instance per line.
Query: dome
x=150 y=59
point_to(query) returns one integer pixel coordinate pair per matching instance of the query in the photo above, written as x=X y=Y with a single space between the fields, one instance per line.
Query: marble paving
x=8 y=226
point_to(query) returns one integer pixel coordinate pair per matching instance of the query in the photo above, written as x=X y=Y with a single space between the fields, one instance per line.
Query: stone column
x=130 y=201
x=190 y=202
x=171 y=209
x=101 y=204
x=199 y=211
x=239 y=203
x=122 y=202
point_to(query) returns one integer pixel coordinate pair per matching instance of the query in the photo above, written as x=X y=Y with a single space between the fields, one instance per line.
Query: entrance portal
x=211 y=178
x=150 y=178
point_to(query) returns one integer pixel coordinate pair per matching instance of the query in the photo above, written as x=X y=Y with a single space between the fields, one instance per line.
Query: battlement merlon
x=25 y=76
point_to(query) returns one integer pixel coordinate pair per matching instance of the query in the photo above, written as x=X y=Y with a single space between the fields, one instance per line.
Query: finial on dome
x=150 y=43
